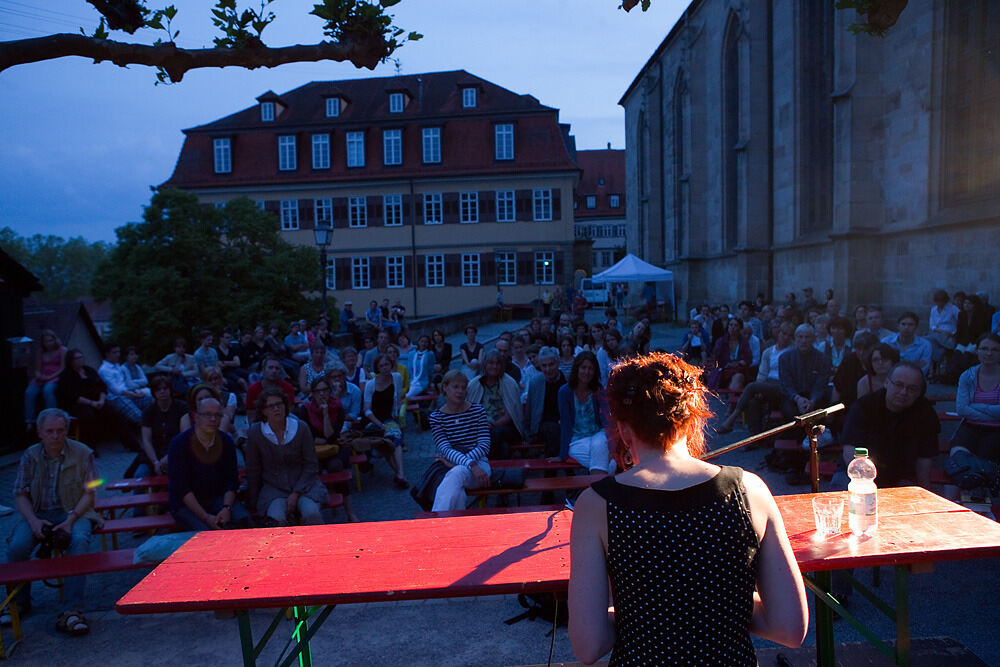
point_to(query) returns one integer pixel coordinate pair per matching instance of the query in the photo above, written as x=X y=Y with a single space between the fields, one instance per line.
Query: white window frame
x=614 y=201
x=267 y=112
x=431 y=142
x=503 y=134
x=289 y=214
x=545 y=275
x=506 y=204
x=395 y=272
x=433 y=208
x=393 y=203
x=506 y=267
x=469 y=98
x=392 y=147
x=541 y=204
x=331 y=272
x=470 y=269
x=591 y=201
x=321 y=151
x=355 y=149
x=468 y=207
x=360 y=273
x=287 y=159
x=332 y=107
x=434 y=270
x=357 y=211
x=223 y=155
x=323 y=209
x=396 y=102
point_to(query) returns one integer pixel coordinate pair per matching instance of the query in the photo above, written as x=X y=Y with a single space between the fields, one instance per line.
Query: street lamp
x=323 y=234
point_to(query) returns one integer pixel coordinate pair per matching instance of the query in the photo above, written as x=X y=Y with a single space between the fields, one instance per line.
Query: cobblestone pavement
x=954 y=600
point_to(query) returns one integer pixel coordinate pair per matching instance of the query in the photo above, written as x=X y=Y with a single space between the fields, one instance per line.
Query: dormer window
x=267 y=112
x=468 y=98
x=395 y=102
x=332 y=107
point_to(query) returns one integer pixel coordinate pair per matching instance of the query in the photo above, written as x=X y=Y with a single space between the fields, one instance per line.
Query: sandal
x=72 y=623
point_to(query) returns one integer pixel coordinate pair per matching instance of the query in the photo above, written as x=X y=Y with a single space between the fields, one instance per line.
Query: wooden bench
x=150 y=524
x=539 y=485
x=947 y=416
x=15 y=575
x=109 y=505
x=135 y=483
x=479 y=511
x=534 y=464
x=415 y=404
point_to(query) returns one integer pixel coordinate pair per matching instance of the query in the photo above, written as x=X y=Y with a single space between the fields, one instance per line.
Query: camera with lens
x=53 y=539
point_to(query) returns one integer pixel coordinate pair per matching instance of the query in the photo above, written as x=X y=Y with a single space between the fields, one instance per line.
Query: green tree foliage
x=187 y=266
x=64 y=267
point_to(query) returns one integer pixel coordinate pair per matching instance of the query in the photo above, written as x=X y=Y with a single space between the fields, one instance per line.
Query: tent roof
x=632 y=269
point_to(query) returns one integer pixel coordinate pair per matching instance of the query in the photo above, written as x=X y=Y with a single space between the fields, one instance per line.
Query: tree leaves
x=64 y=267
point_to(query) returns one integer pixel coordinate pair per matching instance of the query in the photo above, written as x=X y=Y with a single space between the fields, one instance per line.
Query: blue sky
x=83 y=143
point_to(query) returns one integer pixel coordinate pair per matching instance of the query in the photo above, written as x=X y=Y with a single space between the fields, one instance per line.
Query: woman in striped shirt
x=462 y=439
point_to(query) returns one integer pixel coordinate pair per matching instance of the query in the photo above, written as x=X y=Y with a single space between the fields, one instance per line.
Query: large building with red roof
x=600 y=205
x=440 y=187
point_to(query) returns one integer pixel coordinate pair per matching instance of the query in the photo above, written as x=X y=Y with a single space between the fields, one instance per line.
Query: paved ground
x=957 y=599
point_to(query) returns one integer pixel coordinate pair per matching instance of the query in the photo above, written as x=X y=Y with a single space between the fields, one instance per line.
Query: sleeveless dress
x=683 y=566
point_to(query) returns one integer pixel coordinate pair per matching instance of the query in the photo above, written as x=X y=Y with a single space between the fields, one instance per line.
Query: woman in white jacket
x=500 y=395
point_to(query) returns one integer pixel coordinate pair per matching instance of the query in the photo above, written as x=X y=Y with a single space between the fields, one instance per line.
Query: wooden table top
x=496 y=554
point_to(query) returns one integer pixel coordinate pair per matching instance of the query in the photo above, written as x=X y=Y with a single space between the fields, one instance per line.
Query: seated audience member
x=373 y=316
x=832 y=308
x=822 y=325
x=405 y=348
x=272 y=378
x=422 y=367
x=253 y=351
x=230 y=362
x=640 y=336
x=323 y=413
x=695 y=346
x=973 y=322
x=215 y=379
x=608 y=355
x=129 y=403
x=851 y=370
x=880 y=360
x=282 y=469
x=462 y=441
x=161 y=422
x=502 y=346
x=442 y=352
x=898 y=426
x=861 y=319
x=837 y=345
x=754 y=343
x=720 y=322
x=566 y=355
x=297 y=343
x=48 y=366
x=732 y=357
x=206 y=356
x=382 y=342
x=809 y=301
x=135 y=377
x=500 y=396
x=766 y=389
x=382 y=398
x=348 y=320
x=276 y=348
x=350 y=395
x=319 y=363
x=542 y=405
x=977 y=402
x=582 y=417
x=581 y=336
x=873 y=323
x=472 y=352
x=942 y=325
x=747 y=317
x=911 y=346
x=804 y=374
x=355 y=372
x=519 y=357
x=203 y=477
x=180 y=366
x=53 y=492
x=83 y=394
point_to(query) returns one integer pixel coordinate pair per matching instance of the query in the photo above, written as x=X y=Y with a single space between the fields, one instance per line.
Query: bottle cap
x=860 y=451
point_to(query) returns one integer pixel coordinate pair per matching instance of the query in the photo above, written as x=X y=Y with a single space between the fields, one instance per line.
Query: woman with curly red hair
x=696 y=554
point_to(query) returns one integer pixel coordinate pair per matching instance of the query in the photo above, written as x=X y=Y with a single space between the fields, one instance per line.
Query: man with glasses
x=203 y=476
x=899 y=427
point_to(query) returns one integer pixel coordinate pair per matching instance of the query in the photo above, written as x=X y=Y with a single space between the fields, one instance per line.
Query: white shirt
x=946 y=320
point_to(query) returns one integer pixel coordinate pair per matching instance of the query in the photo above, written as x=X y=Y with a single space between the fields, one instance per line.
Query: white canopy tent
x=631 y=269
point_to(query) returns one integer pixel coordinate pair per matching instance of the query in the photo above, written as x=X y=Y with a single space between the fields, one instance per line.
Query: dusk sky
x=83 y=143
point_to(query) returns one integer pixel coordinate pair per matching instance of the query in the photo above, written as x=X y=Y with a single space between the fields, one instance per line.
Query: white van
x=596 y=294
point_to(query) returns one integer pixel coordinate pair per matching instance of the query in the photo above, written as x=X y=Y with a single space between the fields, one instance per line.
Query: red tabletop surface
x=496 y=554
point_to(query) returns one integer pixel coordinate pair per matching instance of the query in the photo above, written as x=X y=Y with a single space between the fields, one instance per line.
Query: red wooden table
x=501 y=554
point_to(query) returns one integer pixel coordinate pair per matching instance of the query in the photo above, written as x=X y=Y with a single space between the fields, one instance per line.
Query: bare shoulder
x=589 y=512
x=763 y=509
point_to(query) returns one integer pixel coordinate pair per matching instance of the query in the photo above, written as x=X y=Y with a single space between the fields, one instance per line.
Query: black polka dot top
x=683 y=567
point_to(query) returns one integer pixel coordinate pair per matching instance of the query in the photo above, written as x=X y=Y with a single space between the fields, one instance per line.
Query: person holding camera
x=54 y=494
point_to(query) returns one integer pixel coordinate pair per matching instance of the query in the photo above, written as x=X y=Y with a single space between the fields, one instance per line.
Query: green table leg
x=246 y=638
x=824 y=622
x=301 y=619
x=902 y=591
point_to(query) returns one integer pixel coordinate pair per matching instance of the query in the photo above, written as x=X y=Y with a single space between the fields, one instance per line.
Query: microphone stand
x=811 y=422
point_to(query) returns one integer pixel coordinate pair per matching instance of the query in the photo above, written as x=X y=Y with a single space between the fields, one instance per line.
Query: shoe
x=72 y=623
x=400 y=482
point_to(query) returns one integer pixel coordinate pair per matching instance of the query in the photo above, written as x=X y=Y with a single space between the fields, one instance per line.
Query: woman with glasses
x=881 y=358
x=977 y=402
x=282 y=470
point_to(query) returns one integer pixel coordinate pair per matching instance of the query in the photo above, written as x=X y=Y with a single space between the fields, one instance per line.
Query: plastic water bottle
x=862 y=495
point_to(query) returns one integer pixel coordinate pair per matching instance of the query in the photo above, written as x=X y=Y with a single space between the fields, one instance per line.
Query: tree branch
x=361 y=50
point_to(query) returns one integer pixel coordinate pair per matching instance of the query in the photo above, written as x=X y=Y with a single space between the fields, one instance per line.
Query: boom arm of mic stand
x=805 y=420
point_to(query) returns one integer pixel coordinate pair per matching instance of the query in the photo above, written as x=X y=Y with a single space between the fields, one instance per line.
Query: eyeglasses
x=906 y=388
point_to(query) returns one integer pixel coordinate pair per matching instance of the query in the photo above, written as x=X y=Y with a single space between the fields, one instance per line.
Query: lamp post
x=323 y=234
